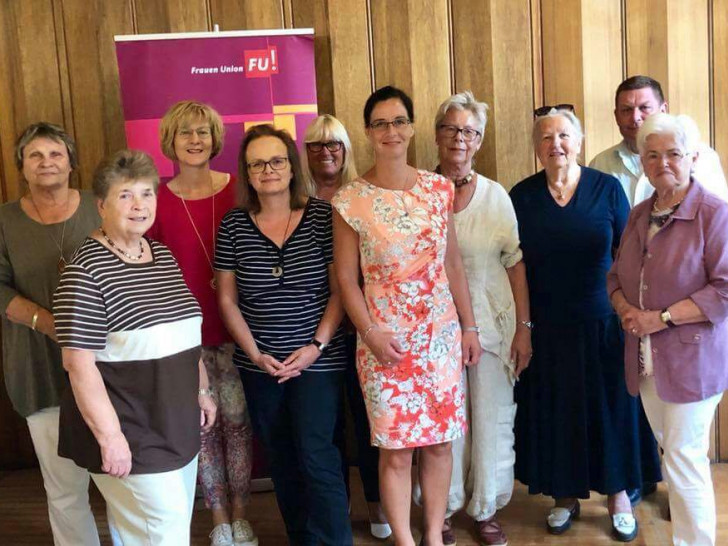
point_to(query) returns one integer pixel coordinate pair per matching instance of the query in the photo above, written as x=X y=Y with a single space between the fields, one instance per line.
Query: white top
x=625 y=165
x=487 y=233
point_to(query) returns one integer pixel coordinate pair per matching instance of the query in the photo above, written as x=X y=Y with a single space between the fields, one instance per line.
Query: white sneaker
x=243 y=534
x=380 y=530
x=222 y=535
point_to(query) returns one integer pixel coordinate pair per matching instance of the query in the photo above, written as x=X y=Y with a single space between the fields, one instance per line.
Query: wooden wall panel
x=246 y=14
x=314 y=14
x=154 y=16
x=94 y=78
x=497 y=67
x=412 y=51
x=647 y=38
x=30 y=87
x=351 y=73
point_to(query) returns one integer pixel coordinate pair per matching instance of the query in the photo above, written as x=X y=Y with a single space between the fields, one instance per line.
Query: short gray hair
x=682 y=127
x=124 y=165
x=53 y=132
x=464 y=101
x=568 y=114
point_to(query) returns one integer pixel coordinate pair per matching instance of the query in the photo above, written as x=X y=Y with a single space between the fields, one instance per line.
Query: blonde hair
x=183 y=113
x=327 y=128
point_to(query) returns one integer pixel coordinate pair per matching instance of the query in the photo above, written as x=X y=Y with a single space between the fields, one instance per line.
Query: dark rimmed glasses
x=332 y=146
x=451 y=131
x=381 y=125
x=277 y=164
x=538 y=112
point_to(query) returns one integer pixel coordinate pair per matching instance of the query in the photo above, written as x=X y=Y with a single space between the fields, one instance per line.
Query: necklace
x=122 y=251
x=61 y=260
x=213 y=284
x=277 y=270
x=458 y=181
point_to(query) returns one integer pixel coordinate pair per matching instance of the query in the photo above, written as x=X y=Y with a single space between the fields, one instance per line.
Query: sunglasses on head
x=538 y=112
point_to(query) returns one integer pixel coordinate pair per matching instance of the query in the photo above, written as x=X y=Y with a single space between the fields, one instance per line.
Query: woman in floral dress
x=394 y=227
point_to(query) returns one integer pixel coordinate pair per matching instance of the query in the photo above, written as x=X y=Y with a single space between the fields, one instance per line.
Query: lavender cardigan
x=687 y=258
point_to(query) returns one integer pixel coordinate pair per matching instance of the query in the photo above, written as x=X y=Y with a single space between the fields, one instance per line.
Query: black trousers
x=296 y=422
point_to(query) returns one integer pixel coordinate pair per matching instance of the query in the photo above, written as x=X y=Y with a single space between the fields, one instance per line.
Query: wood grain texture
x=314 y=14
x=94 y=78
x=601 y=24
x=351 y=71
x=647 y=39
x=154 y=16
x=246 y=14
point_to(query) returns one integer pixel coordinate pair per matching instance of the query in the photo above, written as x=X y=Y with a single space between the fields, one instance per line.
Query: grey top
x=32 y=366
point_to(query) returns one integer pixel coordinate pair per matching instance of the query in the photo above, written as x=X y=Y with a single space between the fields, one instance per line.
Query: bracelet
x=366 y=332
x=475 y=329
x=34 y=320
x=205 y=392
x=527 y=323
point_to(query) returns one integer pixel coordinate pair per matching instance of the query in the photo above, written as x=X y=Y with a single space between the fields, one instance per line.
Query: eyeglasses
x=331 y=146
x=277 y=164
x=381 y=126
x=538 y=112
x=672 y=156
x=202 y=132
x=451 y=131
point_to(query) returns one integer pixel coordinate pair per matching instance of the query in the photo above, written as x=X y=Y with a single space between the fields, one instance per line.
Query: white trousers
x=65 y=483
x=483 y=459
x=151 y=509
x=683 y=432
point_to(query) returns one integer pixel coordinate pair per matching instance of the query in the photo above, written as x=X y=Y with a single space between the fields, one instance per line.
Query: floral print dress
x=402 y=243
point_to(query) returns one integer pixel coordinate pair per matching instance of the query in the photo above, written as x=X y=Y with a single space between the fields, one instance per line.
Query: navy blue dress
x=576 y=425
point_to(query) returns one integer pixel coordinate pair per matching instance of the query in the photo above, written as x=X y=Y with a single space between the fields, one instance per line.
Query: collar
x=628 y=158
x=689 y=207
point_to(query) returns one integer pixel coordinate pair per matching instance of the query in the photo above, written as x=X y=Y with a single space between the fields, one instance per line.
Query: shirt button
x=696 y=337
x=644 y=287
x=654 y=350
x=649 y=255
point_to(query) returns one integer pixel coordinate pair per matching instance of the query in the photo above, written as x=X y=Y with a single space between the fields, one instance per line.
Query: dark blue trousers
x=296 y=422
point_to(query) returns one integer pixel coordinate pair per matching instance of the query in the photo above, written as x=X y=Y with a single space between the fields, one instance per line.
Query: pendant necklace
x=61 y=260
x=277 y=270
x=213 y=284
x=121 y=251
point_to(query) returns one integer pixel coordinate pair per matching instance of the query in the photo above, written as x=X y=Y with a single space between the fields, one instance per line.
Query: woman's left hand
x=521 y=350
x=471 y=348
x=642 y=323
x=297 y=361
x=208 y=411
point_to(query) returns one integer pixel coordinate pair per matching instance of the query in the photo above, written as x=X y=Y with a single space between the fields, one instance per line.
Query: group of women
x=445 y=313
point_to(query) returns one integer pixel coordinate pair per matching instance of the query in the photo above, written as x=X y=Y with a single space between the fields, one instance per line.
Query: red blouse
x=173 y=227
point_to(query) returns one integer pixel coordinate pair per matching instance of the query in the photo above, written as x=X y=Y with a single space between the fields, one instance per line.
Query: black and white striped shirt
x=144 y=327
x=282 y=312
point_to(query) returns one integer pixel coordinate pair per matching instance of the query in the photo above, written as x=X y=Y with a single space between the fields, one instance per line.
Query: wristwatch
x=666 y=317
x=320 y=345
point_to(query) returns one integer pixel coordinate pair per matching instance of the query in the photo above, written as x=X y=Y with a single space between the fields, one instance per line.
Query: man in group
x=637 y=97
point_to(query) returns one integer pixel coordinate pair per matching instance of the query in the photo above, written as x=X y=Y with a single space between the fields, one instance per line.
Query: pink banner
x=248 y=77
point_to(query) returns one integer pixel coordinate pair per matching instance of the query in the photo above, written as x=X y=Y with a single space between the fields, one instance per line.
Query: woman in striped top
x=129 y=329
x=279 y=300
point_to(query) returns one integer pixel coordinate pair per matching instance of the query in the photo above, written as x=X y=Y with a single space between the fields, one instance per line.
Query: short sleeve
x=80 y=311
x=225 y=245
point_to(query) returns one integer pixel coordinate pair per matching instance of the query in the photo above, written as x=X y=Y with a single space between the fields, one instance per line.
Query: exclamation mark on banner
x=273 y=60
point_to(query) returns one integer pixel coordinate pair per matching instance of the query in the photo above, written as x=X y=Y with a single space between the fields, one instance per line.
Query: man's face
x=633 y=107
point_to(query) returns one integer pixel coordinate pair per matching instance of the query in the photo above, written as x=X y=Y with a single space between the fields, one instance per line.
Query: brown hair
x=183 y=113
x=53 y=132
x=640 y=82
x=123 y=165
x=248 y=197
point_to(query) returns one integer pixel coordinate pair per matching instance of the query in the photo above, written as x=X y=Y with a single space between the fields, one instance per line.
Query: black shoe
x=559 y=520
x=635 y=496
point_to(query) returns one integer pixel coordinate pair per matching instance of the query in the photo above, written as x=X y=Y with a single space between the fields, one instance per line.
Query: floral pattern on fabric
x=402 y=244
